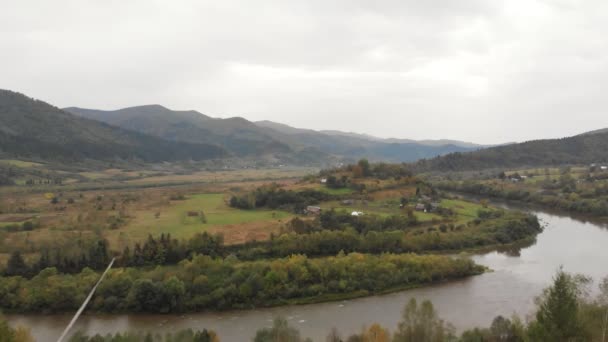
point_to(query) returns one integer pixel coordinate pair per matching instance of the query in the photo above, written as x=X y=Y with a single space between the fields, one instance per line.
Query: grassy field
x=127 y=211
x=465 y=211
x=225 y=176
x=219 y=217
x=462 y=208
x=125 y=216
x=382 y=208
x=341 y=191
x=19 y=163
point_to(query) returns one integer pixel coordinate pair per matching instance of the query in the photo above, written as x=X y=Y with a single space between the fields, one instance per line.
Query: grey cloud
x=486 y=71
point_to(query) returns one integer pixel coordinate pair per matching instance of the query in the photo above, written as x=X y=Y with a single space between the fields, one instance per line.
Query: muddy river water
x=519 y=276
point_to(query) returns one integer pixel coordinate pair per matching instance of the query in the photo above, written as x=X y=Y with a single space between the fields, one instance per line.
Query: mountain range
x=34 y=129
x=243 y=138
x=586 y=148
x=31 y=128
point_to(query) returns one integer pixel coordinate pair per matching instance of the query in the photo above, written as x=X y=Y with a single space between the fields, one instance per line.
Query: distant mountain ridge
x=440 y=142
x=597 y=131
x=33 y=128
x=254 y=139
x=586 y=148
x=237 y=135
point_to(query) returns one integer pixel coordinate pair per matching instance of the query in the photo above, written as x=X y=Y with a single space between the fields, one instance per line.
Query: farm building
x=420 y=207
x=313 y=210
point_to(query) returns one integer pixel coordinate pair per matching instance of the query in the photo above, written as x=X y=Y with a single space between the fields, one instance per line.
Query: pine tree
x=16 y=265
x=557 y=318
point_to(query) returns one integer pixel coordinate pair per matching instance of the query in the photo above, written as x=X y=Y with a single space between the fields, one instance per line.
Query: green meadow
x=174 y=218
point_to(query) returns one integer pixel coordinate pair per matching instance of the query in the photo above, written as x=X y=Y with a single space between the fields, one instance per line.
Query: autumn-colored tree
x=280 y=332
x=376 y=333
x=421 y=324
x=333 y=336
x=19 y=334
x=365 y=167
x=357 y=171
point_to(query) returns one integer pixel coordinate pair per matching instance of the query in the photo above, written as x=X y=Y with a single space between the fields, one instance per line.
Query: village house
x=348 y=202
x=420 y=207
x=313 y=210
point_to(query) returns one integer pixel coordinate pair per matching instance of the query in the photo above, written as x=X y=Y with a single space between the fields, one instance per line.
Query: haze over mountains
x=586 y=148
x=34 y=129
x=245 y=139
x=31 y=128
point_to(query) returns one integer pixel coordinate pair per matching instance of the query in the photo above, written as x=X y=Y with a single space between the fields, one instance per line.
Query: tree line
x=274 y=197
x=96 y=256
x=375 y=237
x=185 y=335
x=206 y=283
x=363 y=168
x=327 y=235
x=566 y=197
x=563 y=313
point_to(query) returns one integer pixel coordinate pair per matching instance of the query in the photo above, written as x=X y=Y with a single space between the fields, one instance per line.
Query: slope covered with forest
x=34 y=129
x=245 y=138
x=580 y=149
x=237 y=135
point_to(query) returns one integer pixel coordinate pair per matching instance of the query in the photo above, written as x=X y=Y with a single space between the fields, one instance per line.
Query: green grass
x=466 y=211
x=381 y=208
x=174 y=219
x=341 y=191
x=426 y=217
x=19 y=163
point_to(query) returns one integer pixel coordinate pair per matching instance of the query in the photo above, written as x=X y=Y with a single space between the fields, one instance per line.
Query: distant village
x=421 y=203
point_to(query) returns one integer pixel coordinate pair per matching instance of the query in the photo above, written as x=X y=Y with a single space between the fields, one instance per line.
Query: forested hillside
x=245 y=138
x=580 y=149
x=32 y=128
x=237 y=135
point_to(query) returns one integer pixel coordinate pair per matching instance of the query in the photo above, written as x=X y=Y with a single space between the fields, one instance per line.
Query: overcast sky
x=482 y=71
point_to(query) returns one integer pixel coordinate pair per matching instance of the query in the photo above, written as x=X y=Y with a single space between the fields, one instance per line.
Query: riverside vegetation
x=563 y=313
x=582 y=190
x=302 y=258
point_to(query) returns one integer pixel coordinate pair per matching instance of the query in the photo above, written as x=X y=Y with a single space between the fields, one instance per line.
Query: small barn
x=313 y=210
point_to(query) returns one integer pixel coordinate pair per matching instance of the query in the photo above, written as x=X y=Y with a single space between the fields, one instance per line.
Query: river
x=518 y=277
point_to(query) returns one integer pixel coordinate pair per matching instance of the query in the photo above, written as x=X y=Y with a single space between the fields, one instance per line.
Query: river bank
x=517 y=278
